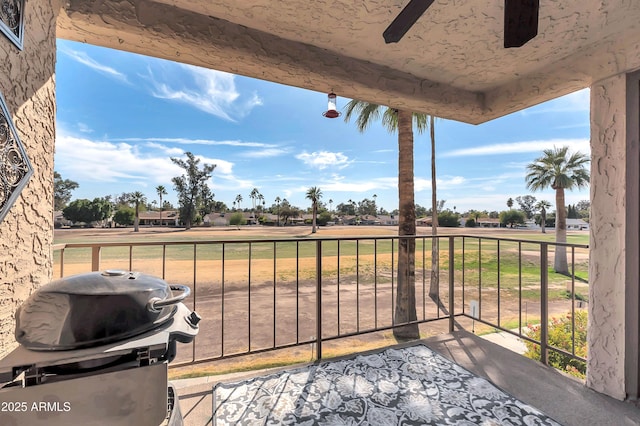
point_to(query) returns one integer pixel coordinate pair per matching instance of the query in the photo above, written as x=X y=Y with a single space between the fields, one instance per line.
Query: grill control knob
x=194 y=319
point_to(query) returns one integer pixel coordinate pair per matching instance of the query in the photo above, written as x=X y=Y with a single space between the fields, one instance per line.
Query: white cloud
x=581 y=145
x=96 y=161
x=323 y=159
x=266 y=153
x=84 y=128
x=85 y=160
x=167 y=150
x=442 y=183
x=184 y=141
x=211 y=91
x=84 y=59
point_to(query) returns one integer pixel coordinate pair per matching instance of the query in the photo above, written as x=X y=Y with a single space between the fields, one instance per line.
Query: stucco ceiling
x=451 y=63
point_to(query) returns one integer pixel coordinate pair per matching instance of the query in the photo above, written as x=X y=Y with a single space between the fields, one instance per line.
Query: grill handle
x=156 y=304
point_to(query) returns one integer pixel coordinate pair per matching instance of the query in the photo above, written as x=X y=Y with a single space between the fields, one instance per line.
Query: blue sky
x=120 y=117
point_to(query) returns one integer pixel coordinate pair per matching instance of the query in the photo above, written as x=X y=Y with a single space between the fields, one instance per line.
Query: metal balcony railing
x=265 y=294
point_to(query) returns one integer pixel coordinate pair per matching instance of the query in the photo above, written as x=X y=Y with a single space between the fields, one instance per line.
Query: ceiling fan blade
x=520 y=21
x=405 y=20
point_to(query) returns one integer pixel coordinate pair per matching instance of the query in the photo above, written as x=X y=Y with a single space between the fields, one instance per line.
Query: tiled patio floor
x=566 y=400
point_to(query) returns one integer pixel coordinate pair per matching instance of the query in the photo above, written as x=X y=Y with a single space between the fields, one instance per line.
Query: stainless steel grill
x=94 y=349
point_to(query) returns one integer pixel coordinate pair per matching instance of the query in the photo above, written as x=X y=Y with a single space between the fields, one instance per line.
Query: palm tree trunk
x=434 y=287
x=543 y=221
x=315 y=212
x=405 y=309
x=560 y=260
x=136 y=221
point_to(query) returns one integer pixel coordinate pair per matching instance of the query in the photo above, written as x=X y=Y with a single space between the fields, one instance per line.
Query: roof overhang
x=450 y=64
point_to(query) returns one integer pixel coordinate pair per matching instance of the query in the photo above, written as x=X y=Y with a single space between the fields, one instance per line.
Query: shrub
x=559 y=336
x=470 y=223
x=237 y=219
x=124 y=216
x=323 y=218
x=448 y=219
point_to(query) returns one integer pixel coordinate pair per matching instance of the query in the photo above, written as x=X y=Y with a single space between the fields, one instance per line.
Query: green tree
x=448 y=219
x=124 y=216
x=288 y=211
x=527 y=204
x=314 y=194
x=512 y=217
x=583 y=207
x=205 y=201
x=255 y=197
x=137 y=198
x=278 y=200
x=367 y=207
x=62 y=191
x=510 y=202
x=542 y=207
x=346 y=209
x=421 y=211
x=559 y=170
x=470 y=223
x=83 y=210
x=189 y=186
x=237 y=219
x=402 y=122
x=161 y=190
x=324 y=217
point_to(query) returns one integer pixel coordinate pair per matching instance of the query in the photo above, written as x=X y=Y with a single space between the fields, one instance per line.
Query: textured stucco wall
x=26 y=234
x=605 y=370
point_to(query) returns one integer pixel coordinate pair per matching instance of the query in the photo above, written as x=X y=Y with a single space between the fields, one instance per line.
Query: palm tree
x=255 y=195
x=543 y=205
x=161 y=190
x=278 y=213
x=137 y=198
x=314 y=194
x=558 y=169
x=330 y=205
x=402 y=121
x=238 y=200
x=510 y=203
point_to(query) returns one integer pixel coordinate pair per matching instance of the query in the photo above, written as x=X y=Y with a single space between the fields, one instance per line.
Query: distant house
x=388 y=220
x=59 y=220
x=577 y=225
x=169 y=218
x=487 y=222
x=216 y=219
x=424 y=221
x=369 y=220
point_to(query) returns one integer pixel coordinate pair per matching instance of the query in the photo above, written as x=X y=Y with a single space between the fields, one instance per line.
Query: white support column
x=613 y=253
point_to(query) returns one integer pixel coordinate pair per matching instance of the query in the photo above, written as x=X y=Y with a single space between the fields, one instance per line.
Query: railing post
x=544 y=300
x=95 y=258
x=319 y=299
x=451 y=282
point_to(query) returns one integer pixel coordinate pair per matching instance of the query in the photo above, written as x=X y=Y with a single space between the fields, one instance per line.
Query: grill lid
x=93 y=309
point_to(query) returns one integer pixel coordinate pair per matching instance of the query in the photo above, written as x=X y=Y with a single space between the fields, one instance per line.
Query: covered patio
x=452 y=63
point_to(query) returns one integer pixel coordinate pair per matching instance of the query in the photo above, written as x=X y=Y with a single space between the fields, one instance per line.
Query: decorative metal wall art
x=12 y=20
x=15 y=167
